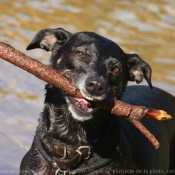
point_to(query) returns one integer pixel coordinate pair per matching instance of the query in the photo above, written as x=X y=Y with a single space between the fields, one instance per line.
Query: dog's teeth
x=88 y=97
x=89 y=110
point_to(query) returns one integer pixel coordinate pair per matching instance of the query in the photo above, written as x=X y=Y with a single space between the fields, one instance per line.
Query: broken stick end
x=164 y=116
x=157 y=115
x=157 y=145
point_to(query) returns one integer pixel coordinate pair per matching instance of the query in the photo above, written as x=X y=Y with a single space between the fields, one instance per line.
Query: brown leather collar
x=63 y=163
x=68 y=157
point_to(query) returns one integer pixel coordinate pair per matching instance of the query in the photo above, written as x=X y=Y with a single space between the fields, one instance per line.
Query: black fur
x=100 y=69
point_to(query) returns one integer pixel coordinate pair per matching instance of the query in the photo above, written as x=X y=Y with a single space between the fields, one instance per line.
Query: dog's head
x=96 y=65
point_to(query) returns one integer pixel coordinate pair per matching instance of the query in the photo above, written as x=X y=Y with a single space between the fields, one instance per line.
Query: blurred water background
x=143 y=27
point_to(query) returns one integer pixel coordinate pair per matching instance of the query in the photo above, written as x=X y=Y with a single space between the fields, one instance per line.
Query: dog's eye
x=116 y=70
x=80 y=54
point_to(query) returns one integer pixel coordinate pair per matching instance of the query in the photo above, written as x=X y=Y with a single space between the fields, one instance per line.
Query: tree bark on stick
x=46 y=73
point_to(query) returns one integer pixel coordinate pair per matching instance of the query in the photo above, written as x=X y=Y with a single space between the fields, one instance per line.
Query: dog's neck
x=61 y=126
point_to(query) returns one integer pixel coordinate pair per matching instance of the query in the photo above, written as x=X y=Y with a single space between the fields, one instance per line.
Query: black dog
x=76 y=137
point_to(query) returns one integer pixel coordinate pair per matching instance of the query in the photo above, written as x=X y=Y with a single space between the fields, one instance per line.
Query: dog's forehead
x=87 y=37
x=97 y=42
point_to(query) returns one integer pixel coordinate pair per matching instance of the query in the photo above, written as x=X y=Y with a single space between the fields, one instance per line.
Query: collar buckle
x=79 y=151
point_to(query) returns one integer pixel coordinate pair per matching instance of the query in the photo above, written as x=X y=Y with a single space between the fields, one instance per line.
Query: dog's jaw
x=80 y=109
x=78 y=117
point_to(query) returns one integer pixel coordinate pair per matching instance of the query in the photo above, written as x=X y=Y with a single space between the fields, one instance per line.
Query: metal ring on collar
x=63 y=172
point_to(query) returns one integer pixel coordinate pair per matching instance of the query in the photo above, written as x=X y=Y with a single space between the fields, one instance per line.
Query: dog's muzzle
x=95 y=86
x=93 y=89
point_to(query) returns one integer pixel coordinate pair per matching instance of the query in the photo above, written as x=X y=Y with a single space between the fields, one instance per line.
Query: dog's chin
x=81 y=109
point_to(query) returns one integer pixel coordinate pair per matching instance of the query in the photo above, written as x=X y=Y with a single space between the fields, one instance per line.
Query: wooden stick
x=55 y=78
x=145 y=132
x=38 y=69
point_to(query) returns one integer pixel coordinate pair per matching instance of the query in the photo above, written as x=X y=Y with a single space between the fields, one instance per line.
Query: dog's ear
x=138 y=69
x=46 y=38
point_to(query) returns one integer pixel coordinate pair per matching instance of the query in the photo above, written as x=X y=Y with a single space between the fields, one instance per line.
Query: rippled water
x=144 y=27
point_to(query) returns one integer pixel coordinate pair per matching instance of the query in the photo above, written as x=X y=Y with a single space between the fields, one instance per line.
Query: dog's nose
x=95 y=86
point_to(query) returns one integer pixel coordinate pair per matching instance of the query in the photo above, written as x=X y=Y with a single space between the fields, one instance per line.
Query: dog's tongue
x=82 y=103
